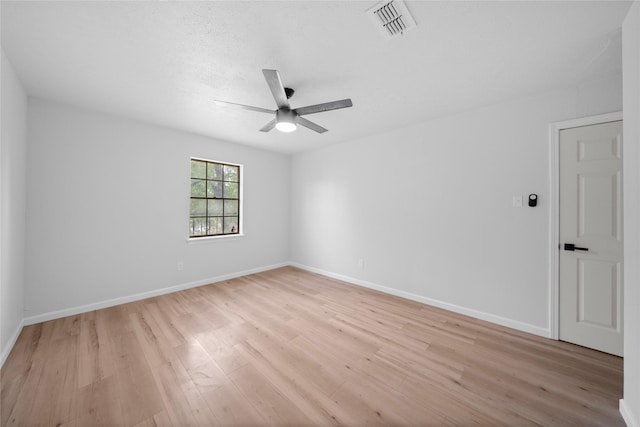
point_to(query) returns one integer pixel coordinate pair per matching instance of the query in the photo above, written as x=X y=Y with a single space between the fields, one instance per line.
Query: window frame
x=240 y=216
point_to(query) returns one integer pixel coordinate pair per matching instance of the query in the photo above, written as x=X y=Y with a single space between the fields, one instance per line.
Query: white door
x=591 y=236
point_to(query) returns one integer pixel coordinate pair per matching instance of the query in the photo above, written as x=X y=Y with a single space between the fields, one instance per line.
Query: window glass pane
x=231 y=207
x=230 y=173
x=198 y=188
x=230 y=190
x=215 y=225
x=198 y=169
x=198 y=207
x=198 y=226
x=214 y=202
x=215 y=207
x=214 y=189
x=214 y=171
x=230 y=224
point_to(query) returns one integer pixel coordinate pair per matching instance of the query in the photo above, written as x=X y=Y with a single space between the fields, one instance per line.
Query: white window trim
x=214 y=239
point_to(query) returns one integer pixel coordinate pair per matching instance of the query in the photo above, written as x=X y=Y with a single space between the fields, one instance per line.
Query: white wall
x=429 y=207
x=108 y=206
x=630 y=405
x=13 y=204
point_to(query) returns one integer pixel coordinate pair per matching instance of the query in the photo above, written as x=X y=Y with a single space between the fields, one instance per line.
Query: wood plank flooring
x=291 y=348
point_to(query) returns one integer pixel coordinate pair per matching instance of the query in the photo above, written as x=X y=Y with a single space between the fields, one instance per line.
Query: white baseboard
x=503 y=321
x=11 y=343
x=627 y=415
x=144 y=295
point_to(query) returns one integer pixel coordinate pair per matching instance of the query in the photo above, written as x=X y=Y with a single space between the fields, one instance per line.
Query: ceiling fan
x=288 y=118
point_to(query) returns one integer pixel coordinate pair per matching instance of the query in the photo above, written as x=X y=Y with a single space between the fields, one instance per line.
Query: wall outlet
x=180 y=266
x=517 y=201
x=361 y=263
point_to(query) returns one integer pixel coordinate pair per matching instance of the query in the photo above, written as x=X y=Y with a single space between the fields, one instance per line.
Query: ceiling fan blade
x=277 y=88
x=268 y=126
x=243 y=107
x=327 y=106
x=309 y=124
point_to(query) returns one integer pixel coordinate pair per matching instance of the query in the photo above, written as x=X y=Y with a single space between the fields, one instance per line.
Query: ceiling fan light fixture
x=286 y=126
x=286 y=120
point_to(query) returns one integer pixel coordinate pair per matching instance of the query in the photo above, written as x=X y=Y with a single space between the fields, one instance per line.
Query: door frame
x=554 y=209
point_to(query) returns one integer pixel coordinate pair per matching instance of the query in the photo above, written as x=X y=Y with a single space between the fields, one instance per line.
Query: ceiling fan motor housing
x=286 y=115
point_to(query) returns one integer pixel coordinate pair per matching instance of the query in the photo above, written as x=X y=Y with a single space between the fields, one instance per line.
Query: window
x=215 y=199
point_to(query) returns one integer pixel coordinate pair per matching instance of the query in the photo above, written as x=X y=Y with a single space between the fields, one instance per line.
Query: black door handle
x=572 y=247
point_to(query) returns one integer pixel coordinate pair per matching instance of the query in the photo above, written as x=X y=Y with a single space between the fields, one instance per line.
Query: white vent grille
x=392 y=18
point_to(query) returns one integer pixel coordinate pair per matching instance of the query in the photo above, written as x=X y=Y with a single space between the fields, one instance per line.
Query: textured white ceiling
x=165 y=62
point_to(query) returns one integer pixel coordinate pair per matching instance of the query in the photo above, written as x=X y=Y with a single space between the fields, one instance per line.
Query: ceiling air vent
x=392 y=18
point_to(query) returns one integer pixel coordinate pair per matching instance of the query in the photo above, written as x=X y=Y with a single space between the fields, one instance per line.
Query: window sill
x=213 y=239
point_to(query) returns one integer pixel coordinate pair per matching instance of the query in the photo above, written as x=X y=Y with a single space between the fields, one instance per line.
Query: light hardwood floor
x=290 y=348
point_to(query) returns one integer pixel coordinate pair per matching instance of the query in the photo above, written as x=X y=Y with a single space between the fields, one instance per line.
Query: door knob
x=572 y=247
